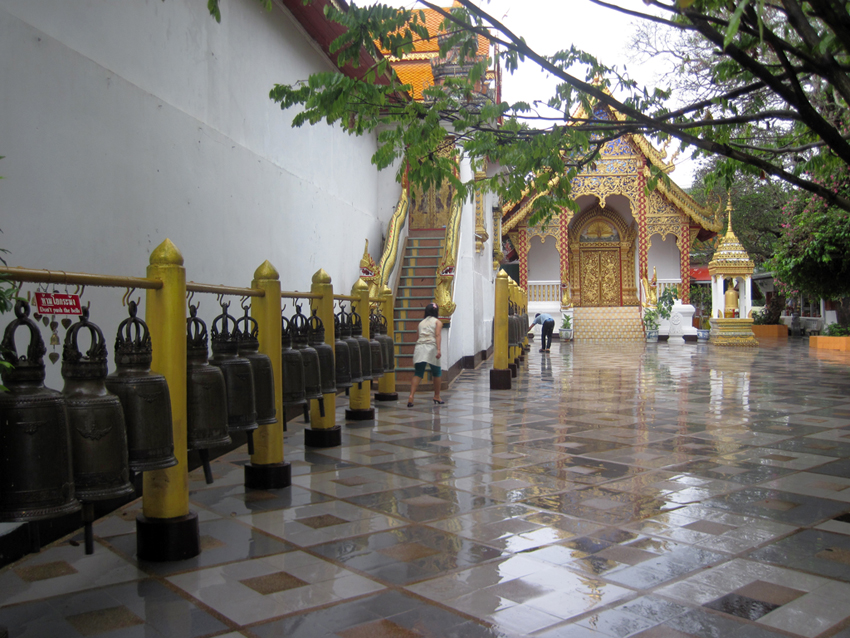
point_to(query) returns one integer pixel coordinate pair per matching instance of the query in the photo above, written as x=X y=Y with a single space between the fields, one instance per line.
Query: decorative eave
x=706 y=217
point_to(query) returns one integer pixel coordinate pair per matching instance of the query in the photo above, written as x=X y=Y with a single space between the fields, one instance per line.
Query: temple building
x=600 y=263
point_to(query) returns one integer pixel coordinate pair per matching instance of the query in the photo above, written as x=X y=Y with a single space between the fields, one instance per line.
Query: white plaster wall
x=124 y=123
x=663 y=255
x=544 y=263
x=470 y=330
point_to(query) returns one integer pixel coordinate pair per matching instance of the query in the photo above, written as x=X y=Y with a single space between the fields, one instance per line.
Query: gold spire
x=731 y=257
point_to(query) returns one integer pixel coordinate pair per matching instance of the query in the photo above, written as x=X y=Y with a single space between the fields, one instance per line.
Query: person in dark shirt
x=548 y=327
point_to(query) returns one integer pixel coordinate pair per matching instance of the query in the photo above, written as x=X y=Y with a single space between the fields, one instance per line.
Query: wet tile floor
x=650 y=491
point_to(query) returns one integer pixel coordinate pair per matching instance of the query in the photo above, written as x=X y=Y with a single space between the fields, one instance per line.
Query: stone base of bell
x=512 y=367
x=500 y=379
x=386 y=396
x=732 y=333
x=162 y=540
x=323 y=437
x=360 y=415
x=274 y=476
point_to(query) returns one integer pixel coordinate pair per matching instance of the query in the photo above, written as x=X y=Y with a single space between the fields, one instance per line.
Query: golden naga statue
x=566 y=297
x=369 y=271
x=443 y=291
x=650 y=289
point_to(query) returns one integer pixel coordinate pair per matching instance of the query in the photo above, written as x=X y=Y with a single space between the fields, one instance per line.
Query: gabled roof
x=705 y=217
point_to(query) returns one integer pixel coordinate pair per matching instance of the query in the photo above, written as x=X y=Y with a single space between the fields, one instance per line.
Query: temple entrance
x=600 y=277
x=431 y=208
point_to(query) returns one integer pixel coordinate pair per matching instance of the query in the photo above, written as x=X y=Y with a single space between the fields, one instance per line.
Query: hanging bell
x=292 y=368
x=354 y=358
x=238 y=377
x=144 y=397
x=206 y=395
x=342 y=357
x=261 y=367
x=381 y=334
x=95 y=417
x=325 y=352
x=36 y=480
x=363 y=344
x=376 y=349
x=309 y=356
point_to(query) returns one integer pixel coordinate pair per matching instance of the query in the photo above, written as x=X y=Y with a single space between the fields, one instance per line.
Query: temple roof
x=703 y=216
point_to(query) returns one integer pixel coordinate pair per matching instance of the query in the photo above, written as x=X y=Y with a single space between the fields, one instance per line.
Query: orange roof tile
x=416 y=73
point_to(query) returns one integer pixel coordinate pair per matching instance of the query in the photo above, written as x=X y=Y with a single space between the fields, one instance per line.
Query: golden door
x=600 y=277
x=430 y=209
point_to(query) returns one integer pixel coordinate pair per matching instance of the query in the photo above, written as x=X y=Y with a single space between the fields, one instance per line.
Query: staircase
x=608 y=323
x=415 y=291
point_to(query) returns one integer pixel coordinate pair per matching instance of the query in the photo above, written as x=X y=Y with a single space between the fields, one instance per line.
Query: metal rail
x=191 y=286
x=32 y=275
x=300 y=295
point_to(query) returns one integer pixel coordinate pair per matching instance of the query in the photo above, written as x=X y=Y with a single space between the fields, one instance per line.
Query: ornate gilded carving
x=650 y=289
x=481 y=235
x=446 y=269
x=391 y=245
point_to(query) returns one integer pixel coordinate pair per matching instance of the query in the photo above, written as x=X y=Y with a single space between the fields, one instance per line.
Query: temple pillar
x=564 y=256
x=685 y=260
x=522 y=250
x=643 y=207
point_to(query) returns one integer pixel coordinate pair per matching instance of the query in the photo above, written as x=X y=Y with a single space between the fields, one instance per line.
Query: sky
x=552 y=25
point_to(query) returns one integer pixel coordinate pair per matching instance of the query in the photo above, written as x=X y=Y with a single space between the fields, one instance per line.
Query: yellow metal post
x=513 y=351
x=500 y=375
x=525 y=315
x=267 y=469
x=166 y=530
x=386 y=384
x=323 y=431
x=359 y=398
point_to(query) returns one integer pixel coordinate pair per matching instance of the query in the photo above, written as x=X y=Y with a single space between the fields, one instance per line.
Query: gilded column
x=685 y=259
x=643 y=239
x=167 y=530
x=564 y=254
x=522 y=249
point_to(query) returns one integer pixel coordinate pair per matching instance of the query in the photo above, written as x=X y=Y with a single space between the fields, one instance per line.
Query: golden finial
x=729 y=212
x=266 y=271
x=321 y=277
x=166 y=253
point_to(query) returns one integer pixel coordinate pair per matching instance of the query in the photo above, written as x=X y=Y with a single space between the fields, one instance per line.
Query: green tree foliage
x=780 y=69
x=813 y=254
x=757 y=206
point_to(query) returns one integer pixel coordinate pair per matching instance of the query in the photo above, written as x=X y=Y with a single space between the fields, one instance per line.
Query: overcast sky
x=551 y=25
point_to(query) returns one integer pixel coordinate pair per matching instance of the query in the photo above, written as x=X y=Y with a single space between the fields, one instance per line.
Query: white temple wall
x=544 y=262
x=663 y=255
x=125 y=123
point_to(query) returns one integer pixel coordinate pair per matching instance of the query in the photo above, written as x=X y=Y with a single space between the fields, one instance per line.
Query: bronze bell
x=292 y=368
x=377 y=351
x=325 y=352
x=362 y=343
x=301 y=342
x=206 y=395
x=36 y=480
x=238 y=377
x=95 y=417
x=342 y=358
x=354 y=358
x=144 y=397
x=380 y=332
x=261 y=366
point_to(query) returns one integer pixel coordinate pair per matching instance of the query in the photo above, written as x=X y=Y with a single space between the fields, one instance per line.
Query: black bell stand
x=500 y=379
x=323 y=437
x=386 y=396
x=360 y=415
x=273 y=476
x=167 y=539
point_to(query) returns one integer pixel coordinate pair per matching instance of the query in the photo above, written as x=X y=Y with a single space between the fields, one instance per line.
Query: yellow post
x=359 y=398
x=513 y=351
x=267 y=469
x=386 y=384
x=500 y=375
x=323 y=431
x=525 y=315
x=166 y=530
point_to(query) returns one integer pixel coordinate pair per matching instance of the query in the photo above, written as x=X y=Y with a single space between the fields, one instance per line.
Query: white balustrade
x=544 y=291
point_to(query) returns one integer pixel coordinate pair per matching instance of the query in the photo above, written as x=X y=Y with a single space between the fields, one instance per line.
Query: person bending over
x=548 y=327
x=427 y=352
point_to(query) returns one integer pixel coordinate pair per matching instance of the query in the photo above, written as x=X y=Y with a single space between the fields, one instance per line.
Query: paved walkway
x=653 y=491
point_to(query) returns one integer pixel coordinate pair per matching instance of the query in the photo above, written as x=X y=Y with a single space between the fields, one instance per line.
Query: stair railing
x=389 y=258
x=446 y=268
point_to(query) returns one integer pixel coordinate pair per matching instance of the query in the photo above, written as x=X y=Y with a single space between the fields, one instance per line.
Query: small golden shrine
x=731 y=272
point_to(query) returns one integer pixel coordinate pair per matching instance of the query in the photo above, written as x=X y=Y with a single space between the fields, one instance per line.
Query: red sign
x=52 y=303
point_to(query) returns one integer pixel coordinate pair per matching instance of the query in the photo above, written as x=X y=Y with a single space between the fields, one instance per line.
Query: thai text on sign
x=53 y=303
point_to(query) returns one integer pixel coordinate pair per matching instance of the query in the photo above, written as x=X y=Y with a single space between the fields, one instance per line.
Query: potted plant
x=650 y=324
x=704 y=329
x=566 y=330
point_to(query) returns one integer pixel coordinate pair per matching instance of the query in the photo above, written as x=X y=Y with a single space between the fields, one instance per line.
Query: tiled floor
x=651 y=491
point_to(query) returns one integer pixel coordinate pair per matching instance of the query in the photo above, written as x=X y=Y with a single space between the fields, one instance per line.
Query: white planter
x=566 y=334
x=652 y=336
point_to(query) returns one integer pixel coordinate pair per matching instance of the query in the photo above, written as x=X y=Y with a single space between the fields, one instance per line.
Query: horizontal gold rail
x=300 y=295
x=32 y=275
x=191 y=286
x=346 y=298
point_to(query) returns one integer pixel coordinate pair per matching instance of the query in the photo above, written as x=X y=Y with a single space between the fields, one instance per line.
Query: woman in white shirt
x=427 y=353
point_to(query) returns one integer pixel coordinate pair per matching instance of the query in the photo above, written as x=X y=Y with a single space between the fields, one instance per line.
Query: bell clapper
x=205 y=459
x=88 y=519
